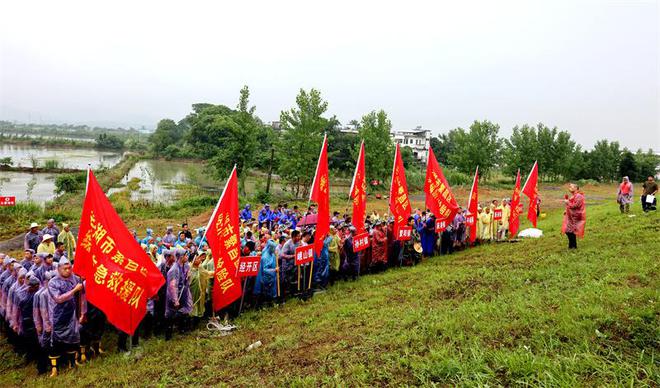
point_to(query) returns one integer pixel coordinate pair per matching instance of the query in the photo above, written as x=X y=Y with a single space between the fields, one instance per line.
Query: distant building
x=418 y=139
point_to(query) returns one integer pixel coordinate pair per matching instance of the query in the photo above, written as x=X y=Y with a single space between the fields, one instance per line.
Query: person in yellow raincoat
x=486 y=218
x=333 y=250
x=503 y=224
x=69 y=241
x=198 y=277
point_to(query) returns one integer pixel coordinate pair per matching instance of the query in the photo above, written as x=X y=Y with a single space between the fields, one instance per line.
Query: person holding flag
x=531 y=190
x=516 y=208
x=473 y=208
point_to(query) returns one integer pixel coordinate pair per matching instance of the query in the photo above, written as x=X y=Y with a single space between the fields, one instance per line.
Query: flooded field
x=159 y=180
x=28 y=156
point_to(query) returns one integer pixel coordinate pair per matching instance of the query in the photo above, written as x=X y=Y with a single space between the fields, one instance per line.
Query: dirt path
x=16 y=243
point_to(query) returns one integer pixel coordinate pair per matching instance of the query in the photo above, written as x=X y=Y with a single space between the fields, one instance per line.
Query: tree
x=109 y=141
x=226 y=137
x=300 y=141
x=341 y=149
x=375 y=130
x=647 y=164
x=604 y=161
x=520 y=150
x=478 y=147
x=628 y=165
x=167 y=133
x=443 y=145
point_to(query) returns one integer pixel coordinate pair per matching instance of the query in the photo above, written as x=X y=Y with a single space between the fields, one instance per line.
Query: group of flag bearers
x=57 y=311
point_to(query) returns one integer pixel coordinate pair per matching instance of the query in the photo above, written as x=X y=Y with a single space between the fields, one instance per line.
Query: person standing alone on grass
x=650 y=188
x=624 y=195
x=575 y=215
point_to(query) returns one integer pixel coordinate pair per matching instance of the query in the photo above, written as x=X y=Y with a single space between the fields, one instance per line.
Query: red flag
x=223 y=237
x=473 y=204
x=399 y=201
x=531 y=190
x=119 y=275
x=321 y=195
x=514 y=218
x=359 y=193
x=439 y=198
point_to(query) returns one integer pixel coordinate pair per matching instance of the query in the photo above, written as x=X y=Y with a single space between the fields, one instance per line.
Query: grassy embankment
x=502 y=314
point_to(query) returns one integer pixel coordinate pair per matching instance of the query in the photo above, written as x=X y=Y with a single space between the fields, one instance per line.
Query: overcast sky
x=588 y=67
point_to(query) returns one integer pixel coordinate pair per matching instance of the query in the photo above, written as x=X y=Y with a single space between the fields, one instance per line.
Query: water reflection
x=26 y=155
x=28 y=187
x=158 y=179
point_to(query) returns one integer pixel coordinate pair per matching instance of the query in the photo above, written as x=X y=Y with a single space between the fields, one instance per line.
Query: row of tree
x=225 y=136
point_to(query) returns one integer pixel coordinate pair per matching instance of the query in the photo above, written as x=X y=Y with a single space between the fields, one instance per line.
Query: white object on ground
x=253 y=346
x=531 y=232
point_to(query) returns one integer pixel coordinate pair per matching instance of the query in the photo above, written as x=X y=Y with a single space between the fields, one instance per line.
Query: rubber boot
x=53 y=365
x=99 y=350
x=83 y=354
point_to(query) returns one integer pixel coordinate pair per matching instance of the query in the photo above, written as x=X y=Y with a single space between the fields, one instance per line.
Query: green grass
x=529 y=313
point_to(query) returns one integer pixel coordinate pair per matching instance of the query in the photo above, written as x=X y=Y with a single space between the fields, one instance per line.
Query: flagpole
x=215 y=210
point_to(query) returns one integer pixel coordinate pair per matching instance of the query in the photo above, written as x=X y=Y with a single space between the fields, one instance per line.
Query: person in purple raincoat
x=64 y=292
x=42 y=322
x=179 y=299
x=27 y=331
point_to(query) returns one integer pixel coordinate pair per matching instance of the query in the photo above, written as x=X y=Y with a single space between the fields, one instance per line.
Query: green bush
x=70 y=183
x=51 y=164
x=6 y=161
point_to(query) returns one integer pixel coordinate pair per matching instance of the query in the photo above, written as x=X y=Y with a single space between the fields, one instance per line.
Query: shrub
x=70 y=183
x=51 y=164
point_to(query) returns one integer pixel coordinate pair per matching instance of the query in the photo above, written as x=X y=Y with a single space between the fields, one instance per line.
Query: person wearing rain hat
x=12 y=305
x=64 y=290
x=32 y=237
x=145 y=240
x=169 y=239
x=46 y=245
x=42 y=322
x=66 y=237
x=27 y=332
x=28 y=256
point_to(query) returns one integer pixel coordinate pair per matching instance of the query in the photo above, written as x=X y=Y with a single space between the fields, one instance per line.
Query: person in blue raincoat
x=64 y=291
x=200 y=238
x=428 y=236
x=265 y=217
x=246 y=213
x=150 y=234
x=322 y=264
x=266 y=282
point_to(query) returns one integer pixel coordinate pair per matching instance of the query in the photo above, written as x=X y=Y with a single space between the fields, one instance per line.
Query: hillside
x=523 y=313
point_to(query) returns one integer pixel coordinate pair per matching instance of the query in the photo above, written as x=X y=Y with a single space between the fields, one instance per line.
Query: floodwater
x=40 y=187
x=28 y=187
x=24 y=155
x=159 y=180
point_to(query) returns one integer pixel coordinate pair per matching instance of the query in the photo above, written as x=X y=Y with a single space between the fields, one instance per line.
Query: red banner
x=360 y=242
x=321 y=195
x=248 y=266
x=223 y=239
x=8 y=201
x=514 y=218
x=473 y=204
x=469 y=219
x=497 y=214
x=439 y=198
x=120 y=277
x=359 y=193
x=399 y=201
x=304 y=254
x=405 y=233
x=531 y=190
x=441 y=225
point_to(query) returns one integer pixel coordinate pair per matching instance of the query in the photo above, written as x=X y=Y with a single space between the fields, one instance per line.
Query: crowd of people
x=47 y=318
